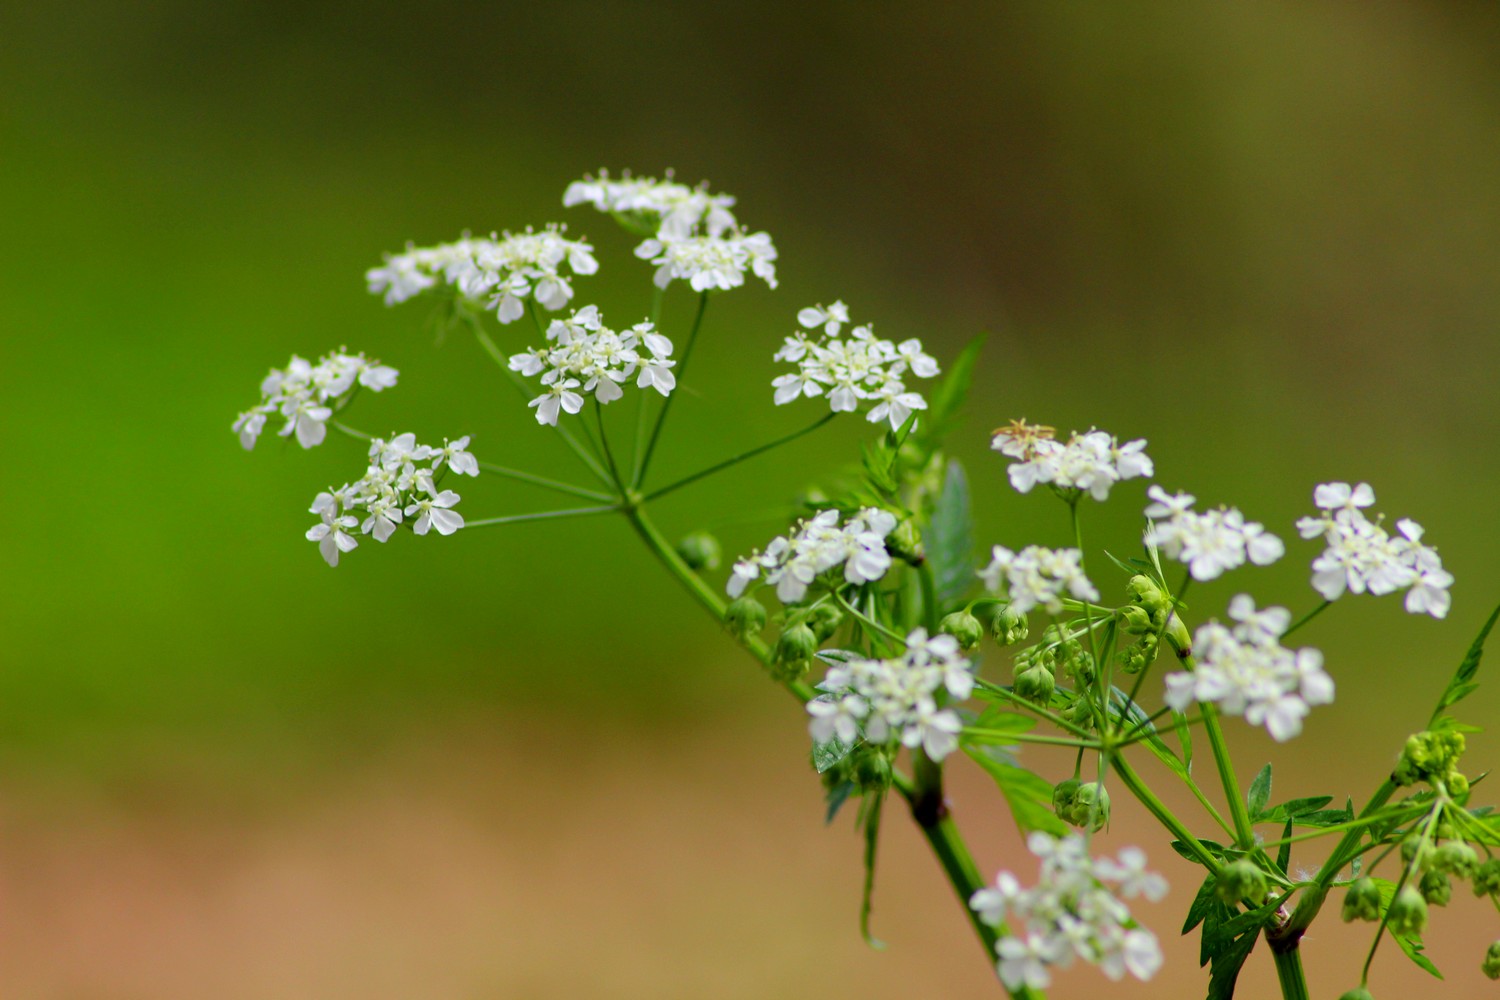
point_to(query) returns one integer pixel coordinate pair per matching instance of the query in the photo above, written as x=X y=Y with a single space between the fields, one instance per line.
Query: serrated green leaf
x=1028 y=795
x=944 y=402
x=1225 y=966
x=950 y=537
x=1411 y=944
x=836 y=797
x=1260 y=791
x=828 y=755
x=1460 y=687
x=1201 y=905
x=1214 y=847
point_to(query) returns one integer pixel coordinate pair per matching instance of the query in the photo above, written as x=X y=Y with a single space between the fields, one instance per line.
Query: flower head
x=1037 y=577
x=853 y=370
x=306 y=395
x=815 y=546
x=585 y=355
x=1089 y=463
x=1209 y=543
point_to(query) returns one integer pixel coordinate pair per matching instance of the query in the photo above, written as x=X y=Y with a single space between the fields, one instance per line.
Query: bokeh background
x=518 y=763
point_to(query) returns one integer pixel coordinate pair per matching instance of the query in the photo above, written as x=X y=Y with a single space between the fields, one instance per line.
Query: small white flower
x=1037 y=577
x=436 y=512
x=306 y=395
x=1209 y=543
x=457 y=458
x=332 y=536
x=1090 y=463
x=853 y=370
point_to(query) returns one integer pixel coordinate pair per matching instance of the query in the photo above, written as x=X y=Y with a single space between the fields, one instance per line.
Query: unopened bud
x=1487 y=878
x=699 y=550
x=1429 y=756
x=1136 y=621
x=1138 y=655
x=1362 y=901
x=964 y=627
x=1084 y=805
x=825 y=620
x=1408 y=912
x=1436 y=889
x=1148 y=594
x=1035 y=684
x=1358 y=993
x=1009 y=627
x=1416 y=852
x=795 y=649
x=745 y=617
x=872 y=768
x=1240 y=881
x=906 y=543
x=1491 y=964
x=1455 y=858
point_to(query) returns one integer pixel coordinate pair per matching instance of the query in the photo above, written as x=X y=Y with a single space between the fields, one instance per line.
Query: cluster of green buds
x=964 y=627
x=804 y=631
x=1083 y=804
x=1035 y=669
x=1009 y=626
x=1432 y=757
x=1241 y=881
x=1146 y=619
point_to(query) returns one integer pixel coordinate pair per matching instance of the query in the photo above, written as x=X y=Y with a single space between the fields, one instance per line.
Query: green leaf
x=996 y=725
x=1260 y=791
x=1461 y=685
x=948 y=398
x=827 y=755
x=1028 y=795
x=1226 y=964
x=1185 y=737
x=836 y=797
x=1284 y=856
x=1202 y=904
x=872 y=840
x=1412 y=947
x=950 y=537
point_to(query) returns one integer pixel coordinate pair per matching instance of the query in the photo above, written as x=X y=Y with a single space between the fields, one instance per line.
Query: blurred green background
x=1263 y=237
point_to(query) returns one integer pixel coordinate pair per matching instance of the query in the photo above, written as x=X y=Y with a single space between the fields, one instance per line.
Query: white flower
x=670 y=209
x=896 y=698
x=711 y=262
x=1362 y=557
x=1037 y=577
x=498 y=272
x=816 y=546
x=1075 y=911
x=1209 y=543
x=457 y=458
x=584 y=354
x=302 y=393
x=1246 y=671
x=1090 y=463
x=850 y=371
x=332 y=535
x=435 y=512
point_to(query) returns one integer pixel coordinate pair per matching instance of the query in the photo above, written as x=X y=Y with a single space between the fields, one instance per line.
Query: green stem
x=1007 y=735
x=702 y=593
x=543 y=516
x=743 y=456
x=1289 y=974
x=666 y=406
x=1238 y=811
x=493 y=350
x=609 y=456
x=641 y=409
x=1157 y=808
x=1315 y=612
x=930 y=607
x=545 y=483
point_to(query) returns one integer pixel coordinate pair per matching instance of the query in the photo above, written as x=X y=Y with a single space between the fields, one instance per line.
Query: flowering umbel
x=585 y=356
x=307 y=395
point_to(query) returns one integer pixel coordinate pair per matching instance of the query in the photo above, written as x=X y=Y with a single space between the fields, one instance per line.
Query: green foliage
x=1028 y=795
x=1411 y=944
x=1259 y=792
x=945 y=402
x=870 y=819
x=950 y=537
x=1463 y=684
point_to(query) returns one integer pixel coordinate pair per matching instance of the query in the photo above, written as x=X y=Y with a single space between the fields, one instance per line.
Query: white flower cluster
x=673 y=211
x=1074 y=911
x=694 y=235
x=896 y=698
x=1361 y=556
x=1037 y=576
x=1209 y=543
x=587 y=356
x=814 y=547
x=301 y=394
x=1091 y=462
x=499 y=272
x=394 y=487
x=1246 y=671
x=859 y=368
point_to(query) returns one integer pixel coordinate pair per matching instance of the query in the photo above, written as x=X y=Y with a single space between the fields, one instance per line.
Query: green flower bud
x=1138 y=655
x=1136 y=621
x=699 y=550
x=1035 y=684
x=1416 y=852
x=1063 y=795
x=1241 y=880
x=745 y=617
x=795 y=649
x=1491 y=964
x=825 y=620
x=1408 y=912
x=1009 y=627
x=1458 y=785
x=1362 y=901
x=1455 y=858
x=1436 y=888
x=872 y=768
x=1079 y=713
x=1089 y=808
x=1358 y=993
x=1080 y=667
x=1429 y=756
x=964 y=627
x=1144 y=591
x=906 y=543
x=1487 y=878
